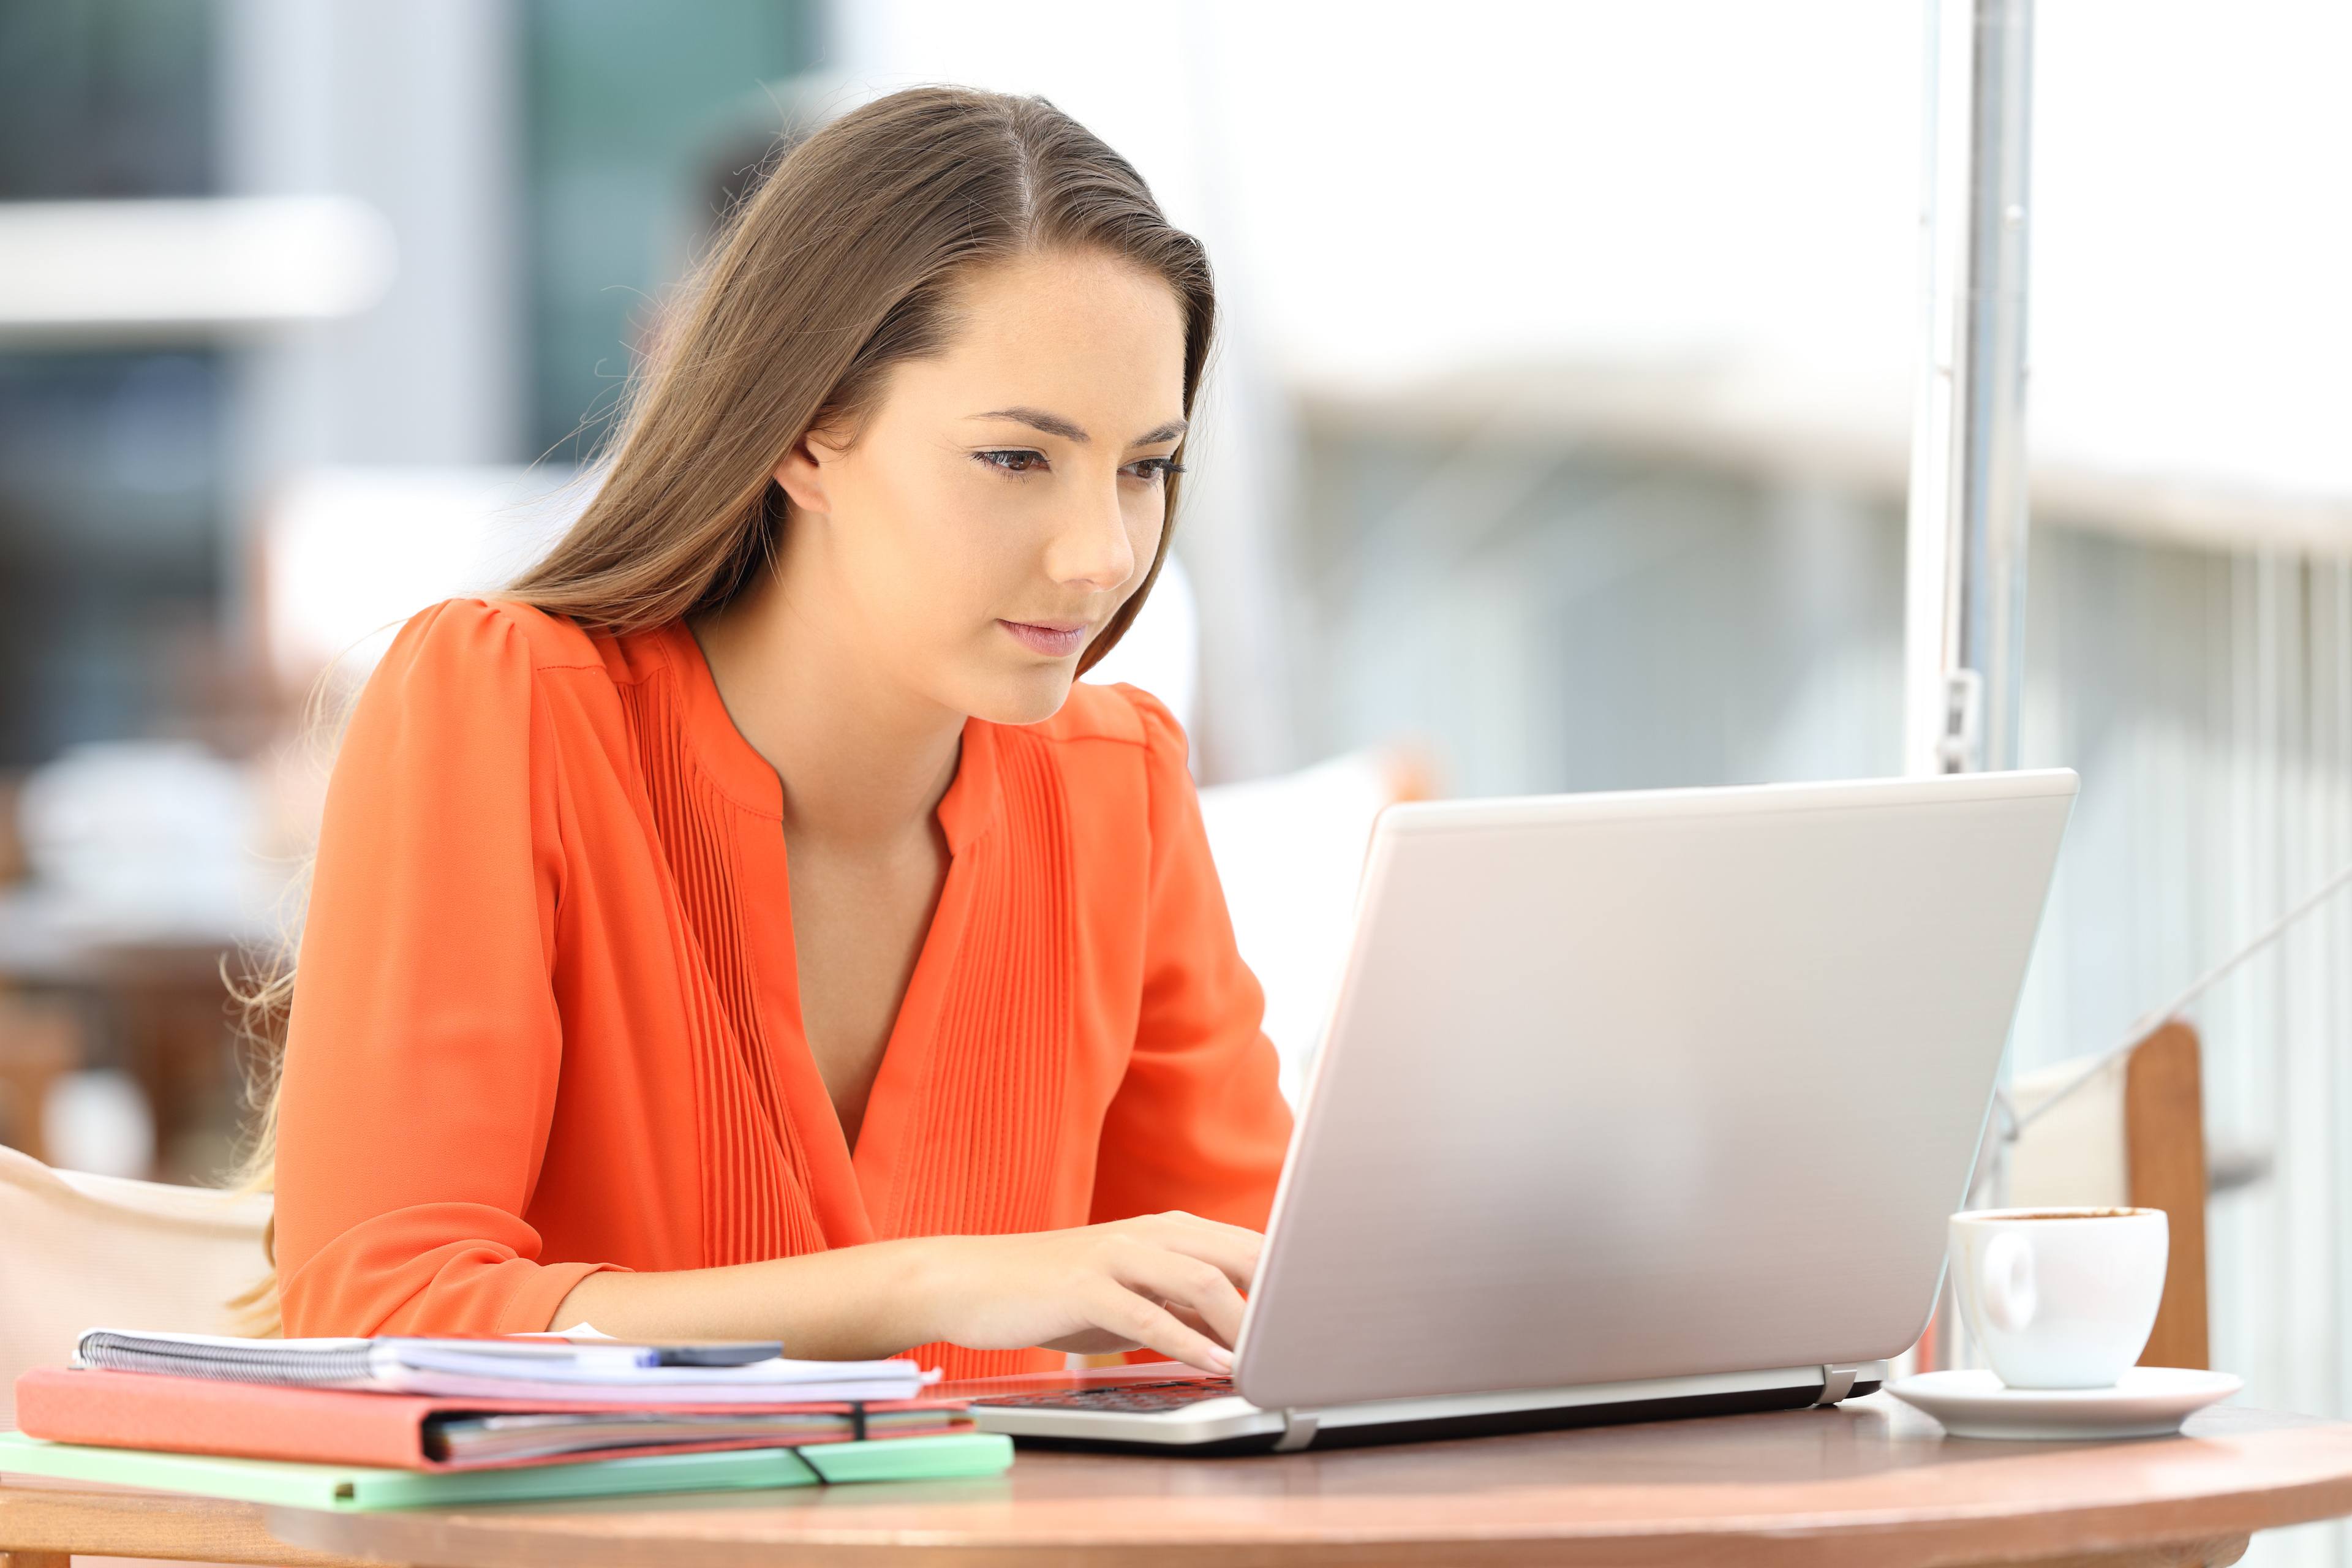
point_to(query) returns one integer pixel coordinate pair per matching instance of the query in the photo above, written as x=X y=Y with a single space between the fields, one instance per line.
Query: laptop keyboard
x=1127 y=1398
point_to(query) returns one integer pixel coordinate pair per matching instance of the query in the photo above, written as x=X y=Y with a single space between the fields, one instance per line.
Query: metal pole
x=1965 y=624
x=1964 y=651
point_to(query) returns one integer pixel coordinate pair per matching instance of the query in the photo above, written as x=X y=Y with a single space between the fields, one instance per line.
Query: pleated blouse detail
x=755 y=1178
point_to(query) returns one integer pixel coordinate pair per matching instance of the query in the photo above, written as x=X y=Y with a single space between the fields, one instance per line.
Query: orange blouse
x=547 y=1020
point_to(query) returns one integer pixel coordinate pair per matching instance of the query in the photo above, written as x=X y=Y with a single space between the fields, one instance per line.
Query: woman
x=743 y=927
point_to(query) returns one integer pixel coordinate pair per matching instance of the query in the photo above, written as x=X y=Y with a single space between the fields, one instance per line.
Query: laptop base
x=1010 y=1418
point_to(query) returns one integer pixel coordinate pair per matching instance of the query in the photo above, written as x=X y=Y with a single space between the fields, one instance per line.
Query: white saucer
x=2146 y=1402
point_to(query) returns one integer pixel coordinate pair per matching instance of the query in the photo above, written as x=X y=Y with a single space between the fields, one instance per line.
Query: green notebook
x=353 y=1488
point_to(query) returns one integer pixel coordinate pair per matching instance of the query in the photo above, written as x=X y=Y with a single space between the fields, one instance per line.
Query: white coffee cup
x=2059 y=1298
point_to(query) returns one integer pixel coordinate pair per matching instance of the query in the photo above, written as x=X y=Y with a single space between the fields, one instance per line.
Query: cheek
x=938 y=549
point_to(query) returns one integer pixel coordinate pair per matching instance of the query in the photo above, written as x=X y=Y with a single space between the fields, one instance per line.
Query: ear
x=802 y=475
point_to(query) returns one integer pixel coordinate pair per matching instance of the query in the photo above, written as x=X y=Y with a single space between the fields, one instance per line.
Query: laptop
x=1632 y=1105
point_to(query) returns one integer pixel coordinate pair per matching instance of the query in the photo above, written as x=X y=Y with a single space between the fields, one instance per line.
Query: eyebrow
x=1069 y=430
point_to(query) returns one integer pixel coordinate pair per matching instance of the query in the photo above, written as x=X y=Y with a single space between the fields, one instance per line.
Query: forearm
x=851 y=1303
x=1094 y=1288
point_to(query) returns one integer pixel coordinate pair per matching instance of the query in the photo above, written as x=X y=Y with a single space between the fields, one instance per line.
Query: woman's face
x=1004 y=497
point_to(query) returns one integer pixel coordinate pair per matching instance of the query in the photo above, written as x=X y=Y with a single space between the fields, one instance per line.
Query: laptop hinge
x=1297 y=1431
x=1837 y=1382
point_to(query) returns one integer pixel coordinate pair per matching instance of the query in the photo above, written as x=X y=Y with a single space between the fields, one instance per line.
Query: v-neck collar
x=965 y=811
x=854 y=1194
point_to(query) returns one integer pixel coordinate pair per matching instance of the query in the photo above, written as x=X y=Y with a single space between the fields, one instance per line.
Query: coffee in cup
x=2059 y=1298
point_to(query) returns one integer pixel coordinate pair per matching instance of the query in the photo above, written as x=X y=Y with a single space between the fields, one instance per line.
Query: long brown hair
x=839 y=266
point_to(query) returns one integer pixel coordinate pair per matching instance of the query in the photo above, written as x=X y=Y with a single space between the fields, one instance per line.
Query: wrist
x=916 y=1287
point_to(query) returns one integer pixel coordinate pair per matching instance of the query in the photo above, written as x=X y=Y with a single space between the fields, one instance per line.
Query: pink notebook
x=258 y=1421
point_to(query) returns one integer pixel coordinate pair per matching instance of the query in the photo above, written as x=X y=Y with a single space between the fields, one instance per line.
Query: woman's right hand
x=1167 y=1282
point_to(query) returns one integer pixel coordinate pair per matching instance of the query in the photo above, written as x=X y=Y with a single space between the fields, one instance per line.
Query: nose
x=1091 y=547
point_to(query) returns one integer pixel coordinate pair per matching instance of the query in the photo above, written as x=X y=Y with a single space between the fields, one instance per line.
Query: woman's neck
x=863 y=762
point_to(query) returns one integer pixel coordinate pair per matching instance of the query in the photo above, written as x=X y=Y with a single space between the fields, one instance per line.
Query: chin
x=1025 y=697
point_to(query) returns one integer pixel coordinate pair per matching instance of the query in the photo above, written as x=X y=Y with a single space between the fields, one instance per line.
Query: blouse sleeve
x=1199 y=1122
x=424 y=1043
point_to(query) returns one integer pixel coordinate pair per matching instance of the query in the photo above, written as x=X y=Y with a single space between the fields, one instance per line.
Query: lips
x=1055 y=640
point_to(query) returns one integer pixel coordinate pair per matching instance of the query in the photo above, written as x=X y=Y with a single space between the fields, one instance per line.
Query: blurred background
x=1558 y=441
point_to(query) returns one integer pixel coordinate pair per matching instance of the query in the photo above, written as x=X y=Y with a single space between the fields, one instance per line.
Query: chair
x=78 y=1251
x=2134 y=1135
x=1289 y=852
x=40 y=1042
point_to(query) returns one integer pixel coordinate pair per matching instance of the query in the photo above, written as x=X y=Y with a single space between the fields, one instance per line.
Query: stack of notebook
x=401 y=1423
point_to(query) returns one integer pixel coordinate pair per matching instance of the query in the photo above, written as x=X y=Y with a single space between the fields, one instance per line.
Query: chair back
x=78 y=1251
x=2134 y=1135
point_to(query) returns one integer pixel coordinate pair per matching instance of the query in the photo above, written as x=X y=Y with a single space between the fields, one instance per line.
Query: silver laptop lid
x=1649 y=1085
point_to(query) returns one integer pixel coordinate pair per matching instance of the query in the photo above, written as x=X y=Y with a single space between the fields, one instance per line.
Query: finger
x=1234 y=1241
x=1189 y=1319
x=1179 y=1280
x=1230 y=1247
x=1152 y=1326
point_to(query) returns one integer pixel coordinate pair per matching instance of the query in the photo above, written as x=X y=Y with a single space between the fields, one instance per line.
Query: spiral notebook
x=553 y=1370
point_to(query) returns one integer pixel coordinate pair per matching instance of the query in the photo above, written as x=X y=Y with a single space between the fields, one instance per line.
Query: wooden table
x=1870 y=1483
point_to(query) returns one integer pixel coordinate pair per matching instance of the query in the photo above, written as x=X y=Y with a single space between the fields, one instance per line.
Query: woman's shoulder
x=475 y=632
x=493 y=650
x=475 y=665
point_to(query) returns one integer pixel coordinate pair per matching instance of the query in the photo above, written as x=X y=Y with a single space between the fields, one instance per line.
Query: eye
x=1011 y=460
x=1151 y=469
